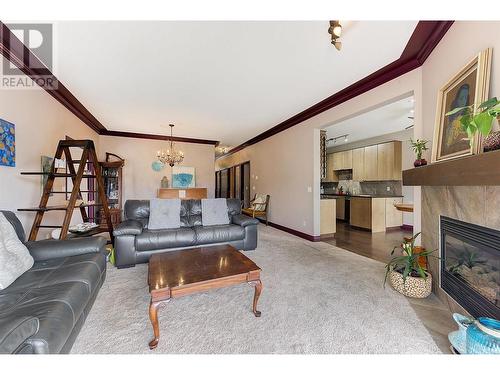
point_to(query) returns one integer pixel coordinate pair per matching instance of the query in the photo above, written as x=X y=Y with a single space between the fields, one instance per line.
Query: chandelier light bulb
x=337 y=30
x=170 y=156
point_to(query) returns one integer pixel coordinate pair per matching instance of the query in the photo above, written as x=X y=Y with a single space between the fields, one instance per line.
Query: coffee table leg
x=258 y=290
x=153 y=316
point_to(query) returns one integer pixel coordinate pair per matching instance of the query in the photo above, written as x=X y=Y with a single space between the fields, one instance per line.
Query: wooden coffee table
x=182 y=272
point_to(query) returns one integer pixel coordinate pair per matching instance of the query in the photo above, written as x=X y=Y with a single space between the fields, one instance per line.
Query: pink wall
x=287 y=164
x=140 y=181
x=40 y=122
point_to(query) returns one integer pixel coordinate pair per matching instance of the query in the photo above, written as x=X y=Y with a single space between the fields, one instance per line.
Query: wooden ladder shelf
x=89 y=156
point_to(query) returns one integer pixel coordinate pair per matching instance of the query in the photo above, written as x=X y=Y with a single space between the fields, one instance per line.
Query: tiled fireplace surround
x=474 y=204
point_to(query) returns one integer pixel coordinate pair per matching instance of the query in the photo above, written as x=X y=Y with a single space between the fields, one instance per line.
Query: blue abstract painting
x=7 y=143
x=183 y=177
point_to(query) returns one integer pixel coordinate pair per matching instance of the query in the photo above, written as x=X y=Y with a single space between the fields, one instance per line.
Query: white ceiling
x=387 y=119
x=220 y=80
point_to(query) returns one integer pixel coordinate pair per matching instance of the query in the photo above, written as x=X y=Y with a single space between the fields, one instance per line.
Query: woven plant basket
x=415 y=287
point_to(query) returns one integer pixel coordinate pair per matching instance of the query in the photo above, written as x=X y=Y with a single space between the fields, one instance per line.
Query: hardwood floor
x=376 y=246
x=434 y=315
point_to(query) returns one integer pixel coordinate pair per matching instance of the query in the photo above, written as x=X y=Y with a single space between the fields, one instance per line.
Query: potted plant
x=480 y=120
x=419 y=146
x=406 y=274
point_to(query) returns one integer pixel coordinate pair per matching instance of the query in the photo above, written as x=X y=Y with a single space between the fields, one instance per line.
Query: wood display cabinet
x=112 y=174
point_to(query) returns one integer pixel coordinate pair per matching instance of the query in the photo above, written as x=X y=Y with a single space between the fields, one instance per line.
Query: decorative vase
x=415 y=287
x=164 y=182
x=483 y=337
x=458 y=338
x=492 y=142
x=419 y=163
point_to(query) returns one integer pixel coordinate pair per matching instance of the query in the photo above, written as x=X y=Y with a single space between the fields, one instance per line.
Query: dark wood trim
x=115 y=133
x=407 y=227
x=424 y=39
x=473 y=170
x=17 y=53
x=292 y=231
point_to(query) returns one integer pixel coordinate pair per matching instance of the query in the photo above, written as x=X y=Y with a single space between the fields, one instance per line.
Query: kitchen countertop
x=336 y=196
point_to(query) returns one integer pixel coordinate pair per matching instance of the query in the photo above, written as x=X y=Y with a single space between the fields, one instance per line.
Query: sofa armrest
x=49 y=249
x=244 y=220
x=130 y=227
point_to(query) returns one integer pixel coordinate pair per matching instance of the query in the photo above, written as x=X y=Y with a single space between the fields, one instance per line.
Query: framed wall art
x=469 y=86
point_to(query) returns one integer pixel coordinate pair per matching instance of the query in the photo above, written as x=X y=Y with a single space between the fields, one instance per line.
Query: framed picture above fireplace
x=469 y=86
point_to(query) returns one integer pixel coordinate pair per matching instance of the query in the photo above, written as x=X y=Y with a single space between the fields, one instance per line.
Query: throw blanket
x=15 y=258
x=214 y=212
x=164 y=213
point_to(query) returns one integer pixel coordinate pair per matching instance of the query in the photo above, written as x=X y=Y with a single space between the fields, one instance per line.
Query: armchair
x=259 y=206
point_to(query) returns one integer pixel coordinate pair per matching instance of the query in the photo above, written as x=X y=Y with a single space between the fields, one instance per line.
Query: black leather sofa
x=43 y=311
x=135 y=243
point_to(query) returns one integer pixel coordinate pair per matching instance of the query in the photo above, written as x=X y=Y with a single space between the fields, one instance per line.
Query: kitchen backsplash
x=366 y=187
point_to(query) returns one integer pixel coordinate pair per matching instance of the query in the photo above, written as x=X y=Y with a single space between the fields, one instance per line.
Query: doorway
x=234 y=182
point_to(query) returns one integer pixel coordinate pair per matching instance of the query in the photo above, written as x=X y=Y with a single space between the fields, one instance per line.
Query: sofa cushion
x=16 y=330
x=15 y=258
x=165 y=239
x=214 y=212
x=164 y=213
x=219 y=233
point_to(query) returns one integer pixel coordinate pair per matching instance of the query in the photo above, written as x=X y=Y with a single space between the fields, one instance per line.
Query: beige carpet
x=316 y=299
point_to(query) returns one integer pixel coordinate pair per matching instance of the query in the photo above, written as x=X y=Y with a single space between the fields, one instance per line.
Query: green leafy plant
x=407 y=263
x=480 y=120
x=419 y=146
x=468 y=258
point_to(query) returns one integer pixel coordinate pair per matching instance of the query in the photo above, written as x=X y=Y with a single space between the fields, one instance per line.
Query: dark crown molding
x=422 y=42
x=115 y=133
x=424 y=39
x=17 y=53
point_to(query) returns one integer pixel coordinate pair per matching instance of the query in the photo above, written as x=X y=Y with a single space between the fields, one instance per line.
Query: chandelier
x=170 y=156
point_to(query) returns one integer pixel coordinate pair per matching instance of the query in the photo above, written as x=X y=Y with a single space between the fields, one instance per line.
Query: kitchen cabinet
x=342 y=160
x=368 y=213
x=358 y=164
x=340 y=208
x=347 y=159
x=381 y=162
x=338 y=161
x=331 y=176
x=393 y=217
x=389 y=161
x=327 y=212
x=371 y=165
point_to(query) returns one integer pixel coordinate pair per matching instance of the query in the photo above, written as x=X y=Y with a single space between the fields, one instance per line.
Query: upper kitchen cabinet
x=389 y=161
x=371 y=165
x=342 y=160
x=331 y=176
x=358 y=164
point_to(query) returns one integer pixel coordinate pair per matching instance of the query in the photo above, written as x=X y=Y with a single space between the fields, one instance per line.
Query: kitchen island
x=328 y=223
x=375 y=213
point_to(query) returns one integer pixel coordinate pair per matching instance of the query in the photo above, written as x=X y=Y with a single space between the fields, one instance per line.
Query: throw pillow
x=259 y=204
x=214 y=212
x=15 y=259
x=164 y=213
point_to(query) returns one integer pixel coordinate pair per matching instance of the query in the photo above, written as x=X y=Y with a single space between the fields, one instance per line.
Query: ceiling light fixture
x=334 y=139
x=335 y=30
x=170 y=156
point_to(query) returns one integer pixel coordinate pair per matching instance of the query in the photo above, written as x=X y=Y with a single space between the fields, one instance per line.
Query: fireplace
x=470 y=266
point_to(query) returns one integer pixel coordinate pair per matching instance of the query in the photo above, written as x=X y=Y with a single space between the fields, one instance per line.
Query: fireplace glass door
x=470 y=266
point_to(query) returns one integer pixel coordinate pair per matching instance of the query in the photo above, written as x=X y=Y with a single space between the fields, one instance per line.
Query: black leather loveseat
x=43 y=311
x=135 y=243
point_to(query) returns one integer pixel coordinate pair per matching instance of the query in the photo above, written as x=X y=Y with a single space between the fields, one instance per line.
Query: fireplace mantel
x=475 y=170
